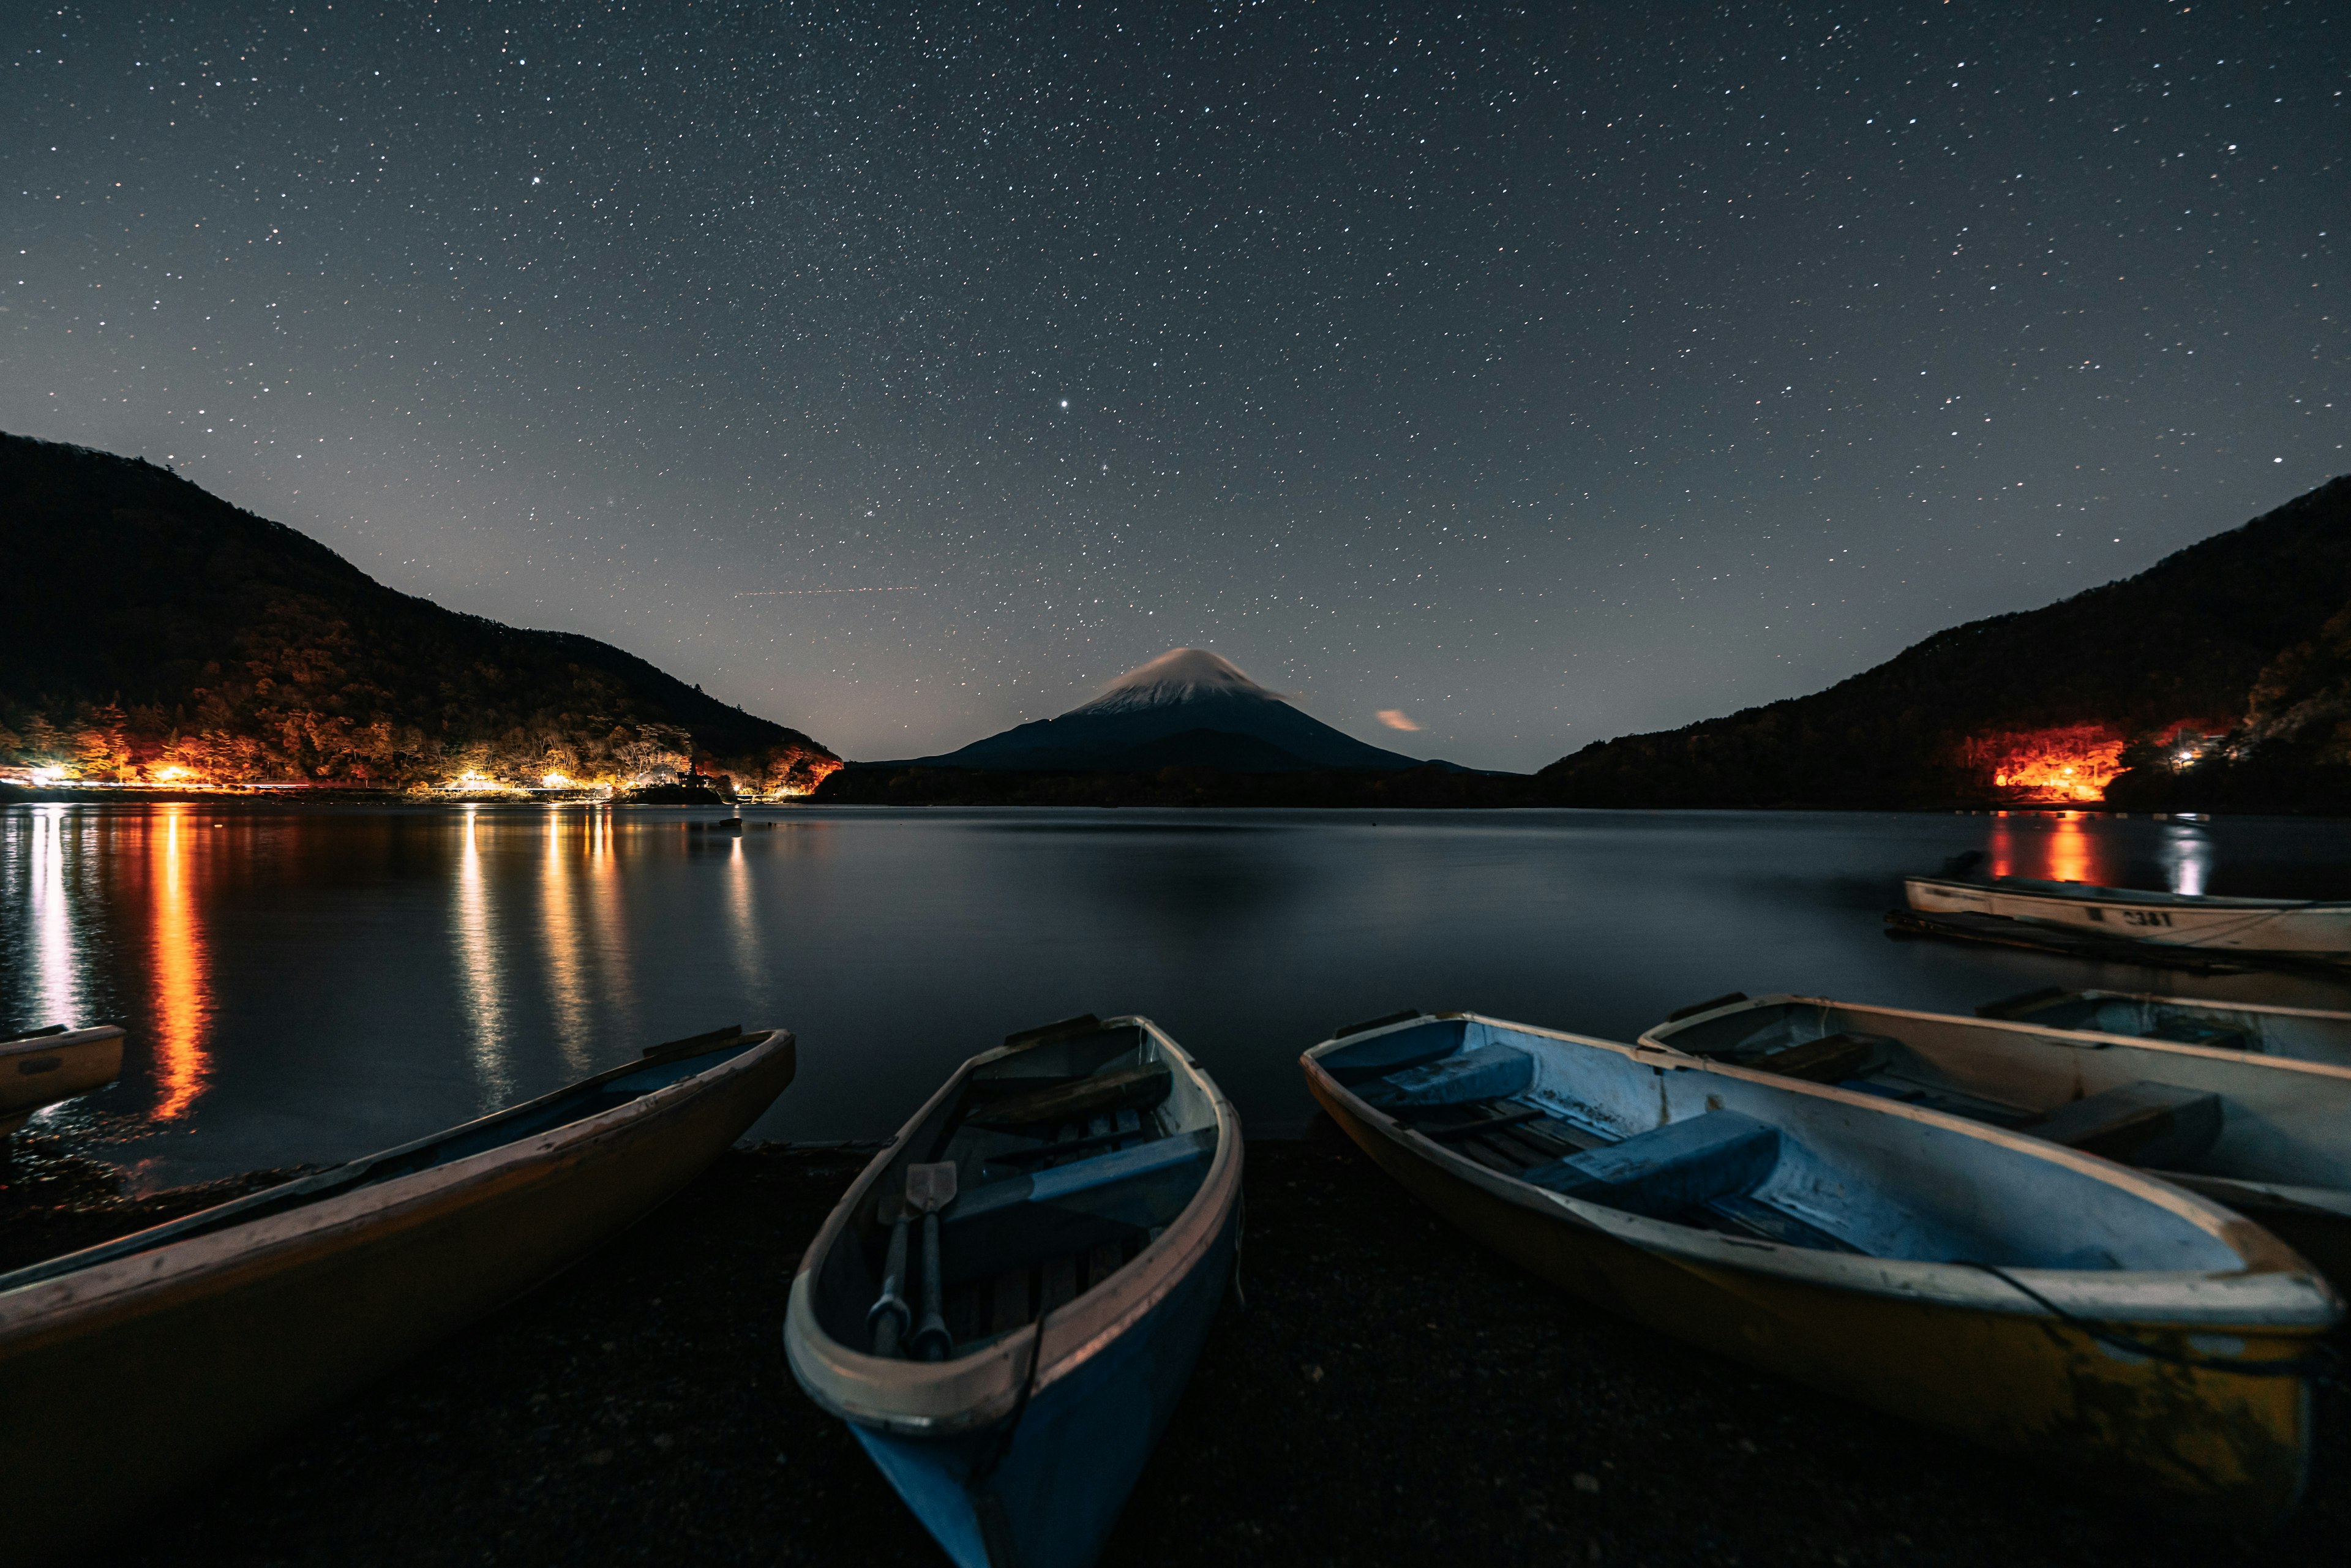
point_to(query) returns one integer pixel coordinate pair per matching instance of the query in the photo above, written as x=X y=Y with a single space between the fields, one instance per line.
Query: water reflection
x=2186 y=857
x=54 y=980
x=567 y=976
x=183 y=992
x=609 y=917
x=477 y=964
x=2069 y=850
x=2053 y=847
x=740 y=920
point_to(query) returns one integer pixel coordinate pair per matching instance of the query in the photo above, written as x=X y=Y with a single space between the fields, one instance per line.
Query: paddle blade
x=930 y=1189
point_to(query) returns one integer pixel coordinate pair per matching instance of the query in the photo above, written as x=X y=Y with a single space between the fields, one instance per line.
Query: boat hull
x=2282 y=1156
x=2314 y=1221
x=1065 y=1464
x=133 y=1379
x=50 y=1067
x=2316 y=932
x=2227 y=1444
x=1065 y=1410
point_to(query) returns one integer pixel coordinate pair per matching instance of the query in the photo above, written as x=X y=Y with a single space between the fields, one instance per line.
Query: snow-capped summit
x=1179 y=674
x=1186 y=708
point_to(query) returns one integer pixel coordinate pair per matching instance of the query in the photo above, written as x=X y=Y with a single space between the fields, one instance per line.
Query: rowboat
x=1006 y=1305
x=136 y=1368
x=2304 y=1034
x=2300 y=928
x=2039 y=1300
x=52 y=1064
x=2270 y=1137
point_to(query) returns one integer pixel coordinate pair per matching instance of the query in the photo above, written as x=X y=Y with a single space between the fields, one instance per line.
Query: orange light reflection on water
x=183 y=988
x=2053 y=847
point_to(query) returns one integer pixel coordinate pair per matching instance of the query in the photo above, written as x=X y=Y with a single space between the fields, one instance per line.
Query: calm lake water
x=311 y=984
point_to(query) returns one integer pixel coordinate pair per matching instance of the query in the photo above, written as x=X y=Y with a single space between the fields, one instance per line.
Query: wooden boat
x=2268 y=1136
x=1006 y=1305
x=2296 y=929
x=2033 y=1299
x=52 y=1064
x=2303 y=1034
x=137 y=1367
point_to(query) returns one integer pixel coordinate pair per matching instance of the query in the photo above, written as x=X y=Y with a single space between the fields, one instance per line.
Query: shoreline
x=1392 y=1393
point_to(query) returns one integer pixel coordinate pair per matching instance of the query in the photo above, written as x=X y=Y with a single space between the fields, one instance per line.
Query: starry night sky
x=1541 y=373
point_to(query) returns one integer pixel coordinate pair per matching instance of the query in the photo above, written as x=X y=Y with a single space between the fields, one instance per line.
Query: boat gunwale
x=1660 y=1035
x=2275 y=1291
x=2098 y=893
x=165 y=1262
x=42 y=1044
x=2159 y=998
x=968 y=1393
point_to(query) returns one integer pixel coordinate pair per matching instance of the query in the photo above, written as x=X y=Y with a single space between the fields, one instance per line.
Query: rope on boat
x=995 y=1529
x=2118 y=1336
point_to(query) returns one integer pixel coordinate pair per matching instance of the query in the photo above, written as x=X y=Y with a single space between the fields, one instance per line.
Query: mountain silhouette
x=1186 y=708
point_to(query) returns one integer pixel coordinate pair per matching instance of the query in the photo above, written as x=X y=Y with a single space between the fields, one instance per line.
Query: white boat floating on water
x=2038 y=1301
x=1008 y=1304
x=2298 y=928
x=2270 y=1137
x=2304 y=1034
x=40 y=1069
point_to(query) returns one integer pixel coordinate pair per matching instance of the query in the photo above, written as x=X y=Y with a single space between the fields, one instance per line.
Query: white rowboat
x=2301 y=928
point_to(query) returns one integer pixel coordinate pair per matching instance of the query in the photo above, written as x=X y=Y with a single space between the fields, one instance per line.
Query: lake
x=309 y=983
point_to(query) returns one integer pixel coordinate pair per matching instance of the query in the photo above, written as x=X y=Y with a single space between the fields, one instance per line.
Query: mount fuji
x=1186 y=708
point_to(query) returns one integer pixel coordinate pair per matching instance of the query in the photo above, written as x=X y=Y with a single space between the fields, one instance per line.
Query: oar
x=930 y=1189
x=889 y=1316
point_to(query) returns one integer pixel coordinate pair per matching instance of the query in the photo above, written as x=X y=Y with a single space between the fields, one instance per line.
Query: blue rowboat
x=2029 y=1297
x=1006 y=1305
x=135 y=1369
x=2270 y=1137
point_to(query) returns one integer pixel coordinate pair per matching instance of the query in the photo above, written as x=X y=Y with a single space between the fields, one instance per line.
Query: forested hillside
x=151 y=632
x=2235 y=649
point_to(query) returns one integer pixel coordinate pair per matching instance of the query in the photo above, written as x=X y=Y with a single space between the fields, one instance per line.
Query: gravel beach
x=1390 y=1394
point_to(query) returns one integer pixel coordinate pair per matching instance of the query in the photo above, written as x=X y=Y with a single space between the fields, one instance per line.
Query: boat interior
x=2163 y=1109
x=1748 y=1159
x=661 y=1066
x=1043 y=1172
x=2300 y=1034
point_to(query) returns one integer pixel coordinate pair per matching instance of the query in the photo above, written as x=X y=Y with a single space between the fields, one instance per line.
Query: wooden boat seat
x=1386 y=1053
x=1680 y=1165
x=2202 y=1031
x=1486 y=1072
x=1072 y=1208
x=2139 y=1124
x=1827 y=1058
x=1130 y=1089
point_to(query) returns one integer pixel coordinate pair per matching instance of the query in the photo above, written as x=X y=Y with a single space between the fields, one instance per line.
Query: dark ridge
x=2187 y=640
x=138 y=604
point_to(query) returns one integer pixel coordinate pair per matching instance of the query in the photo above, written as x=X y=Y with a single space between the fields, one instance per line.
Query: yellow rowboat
x=135 y=1368
x=53 y=1064
x=2319 y=931
x=2042 y=1302
x=2270 y=1137
x=2306 y=1034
